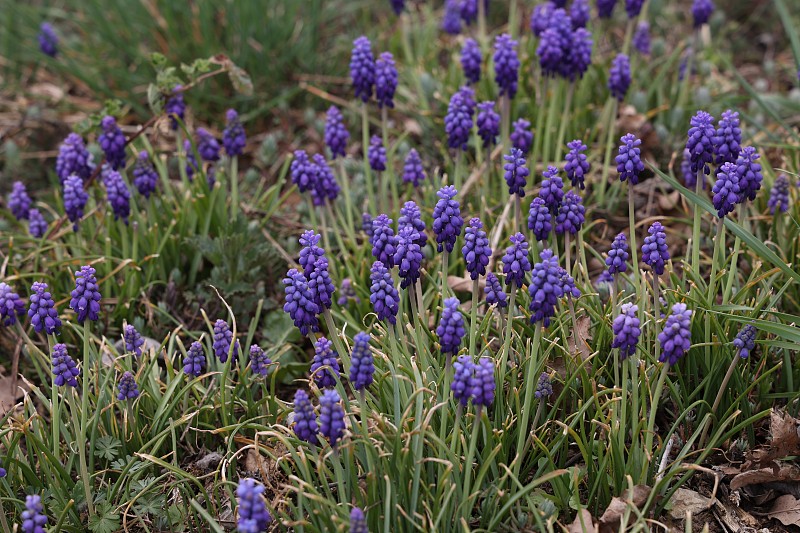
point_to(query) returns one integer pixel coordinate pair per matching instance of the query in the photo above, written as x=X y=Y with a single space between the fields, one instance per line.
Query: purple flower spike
x=482 y=384
x=358 y=522
x=629 y=162
x=701 y=11
x=310 y=251
x=571 y=214
x=619 y=77
x=195 y=361
x=701 y=142
x=506 y=65
x=73 y=158
x=376 y=154
x=545 y=288
x=407 y=256
x=42 y=310
x=362 y=366
x=412 y=169
x=544 y=387
x=447 y=221
x=551 y=51
x=521 y=136
x=366 y=224
x=476 y=249
x=458 y=120
x=325 y=366
x=579 y=55
x=384 y=241
x=19 y=202
x=64 y=368
x=119 y=197
x=745 y=341
x=689 y=177
x=252 y=507
x=516 y=173
x=727 y=189
x=579 y=13
x=85 y=299
x=133 y=340
x=385 y=80
x=576 y=166
x=749 y=171
x=33 y=518
x=633 y=8
x=654 y=249
x=326 y=188
x=540 y=221
x=779 y=195
x=207 y=145
x=259 y=362
x=641 y=38
x=605 y=8
x=223 y=336
x=494 y=291
x=127 y=387
x=451 y=22
x=320 y=285
x=471 y=60
x=145 y=176
x=175 y=107
x=300 y=302
x=451 y=327
x=362 y=68
x=552 y=191
x=540 y=17
x=112 y=141
x=331 y=417
x=463 y=370
x=617 y=259
x=305 y=419
x=191 y=160
x=48 y=40
x=347 y=293
x=728 y=138
x=398 y=6
x=383 y=295
x=336 y=134
x=676 y=338
x=234 y=138
x=515 y=261
x=469 y=11
x=11 y=305
x=410 y=215
x=488 y=123
x=626 y=330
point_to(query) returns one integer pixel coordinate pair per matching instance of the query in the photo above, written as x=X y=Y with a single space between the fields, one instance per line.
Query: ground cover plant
x=519 y=267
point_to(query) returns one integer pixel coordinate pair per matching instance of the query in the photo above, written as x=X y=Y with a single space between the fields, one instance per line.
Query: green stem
x=473 y=322
x=610 y=129
x=365 y=148
x=530 y=387
x=653 y=409
x=696 y=227
x=234 y=188
x=84 y=415
x=632 y=231
x=445 y=258
x=473 y=444
x=348 y=201
x=562 y=129
x=718 y=399
x=507 y=340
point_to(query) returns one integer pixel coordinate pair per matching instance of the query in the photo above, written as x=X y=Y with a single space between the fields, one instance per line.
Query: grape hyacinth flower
x=458 y=120
x=701 y=11
x=579 y=13
x=407 y=256
x=779 y=195
x=325 y=188
x=48 y=40
x=336 y=134
x=626 y=330
x=145 y=176
x=119 y=197
x=37 y=226
x=540 y=17
x=617 y=259
x=451 y=21
x=320 y=285
x=605 y=8
x=347 y=293
x=749 y=172
x=447 y=221
x=191 y=160
x=410 y=215
x=482 y=384
x=325 y=365
x=463 y=369
x=629 y=161
x=112 y=141
x=506 y=65
x=641 y=38
x=85 y=299
x=412 y=169
x=469 y=11
x=133 y=340
x=234 y=138
x=33 y=518
x=305 y=419
x=362 y=366
x=195 y=361
x=544 y=387
x=571 y=214
x=127 y=387
x=358 y=522
x=223 y=336
x=579 y=55
x=11 y=305
x=745 y=341
x=19 y=203
x=385 y=80
x=398 y=6
x=728 y=138
x=540 y=219
x=384 y=241
x=654 y=249
x=605 y=277
x=551 y=51
x=207 y=145
x=521 y=136
x=383 y=294
x=366 y=224
x=552 y=191
x=252 y=507
x=633 y=8
x=476 y=249
x=494 y=291
x=451 y=327
x=726 y=190
x=299 y=302
x=700 y=142
x=619 y=77
x=42 y=310
x=259 y=362
x=576 y=166
x=175 y=107
x=471 y=60
x=331 y=417
x=488 y=122
x=676 y=338
x=310 y=251
x=515 y=261
x=376 y=154
x=516 y=173
x=362 y=68
x=73 y=158
x=64 y=368
x=689 y=177
x=545 y=288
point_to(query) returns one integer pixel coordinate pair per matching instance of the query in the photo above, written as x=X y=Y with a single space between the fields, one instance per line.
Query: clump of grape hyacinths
x=11 y=305
x=325 y=365
x=701 y=11
x=515 y=261
x=85 y=299
x=305 y=419
x=65 y=371
x=33 y=518
x=641 y=38
x=37 y=226
x=133 y=340
x=447 y=221
x=629 y=161
x=385 y=80
x=476 y=249
x=544 y=387
x=73 y=158
x=358 y=522
x=195 y=361
x=48 y=40
x=633 y=8
x=779 y=195
x=571 y=214
x=728 y=138
x=552 y=191
x=376 y=154
x=223 y=336
x=626 y=330
x=749 y=172
x=619 y=77
x=412 y=169
x=175 y=107
x=458 y=120
x=410 y=215
x=252 y=508
x=119 y=197
x=42 y=310
x=300 y=302
x=617 y=259
x=451 y=327
x=112 y=141
x=726 y=189
x=700 y=143
x=451 y=21
x=576 y=166
x=362 y=68
x=383 y=294
x=336 y=134
x=471 y=60
x=745 y=341
x=654 y=249
x=19 y=203
x=331 y=417
x=540 y=221
x=676 y=338
x=145 y=176
x=488 y=122
x=384 y=241
x=494 y=291
x=463 y=369
x=545 y=288
x=127 y=387
x=506 y=65
x=310 y=251
x=516 y=173
x=407 y=256
x=362 y=366
x=521 y=136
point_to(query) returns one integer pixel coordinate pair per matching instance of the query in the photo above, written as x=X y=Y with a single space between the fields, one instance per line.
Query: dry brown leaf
x=583 y=522
x=459 y=284
x=786 y=473
x=785 y=431
x=688 y=500
x=609 y=522
x=9 y=397
x=787 y=510
x=668 y=202
x=578 y=341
